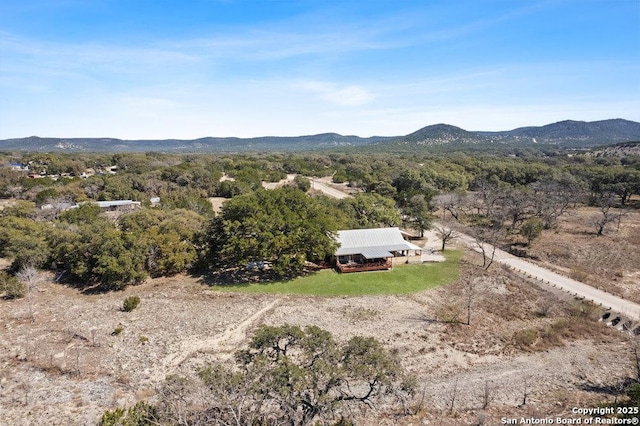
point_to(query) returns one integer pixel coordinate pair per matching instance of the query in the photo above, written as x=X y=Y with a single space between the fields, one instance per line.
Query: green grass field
x=400 y=280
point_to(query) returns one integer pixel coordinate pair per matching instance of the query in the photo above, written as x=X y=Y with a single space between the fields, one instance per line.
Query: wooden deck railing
x=361 y=267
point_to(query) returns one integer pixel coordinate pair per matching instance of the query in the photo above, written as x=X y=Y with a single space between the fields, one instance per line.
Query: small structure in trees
x=374 y=249
x=119 y=205
x=114 y=205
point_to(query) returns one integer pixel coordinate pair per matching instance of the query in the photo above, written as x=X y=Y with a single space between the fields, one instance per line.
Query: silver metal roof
x=372 y=243
x=117 y=203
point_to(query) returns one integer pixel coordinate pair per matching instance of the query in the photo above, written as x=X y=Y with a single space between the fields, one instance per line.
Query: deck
x=362 y=267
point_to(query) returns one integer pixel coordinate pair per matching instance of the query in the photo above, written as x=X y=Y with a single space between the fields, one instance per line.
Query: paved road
x=607 y=300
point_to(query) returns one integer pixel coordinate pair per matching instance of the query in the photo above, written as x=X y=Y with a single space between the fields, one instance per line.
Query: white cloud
x=345 y=95
x=148 y=106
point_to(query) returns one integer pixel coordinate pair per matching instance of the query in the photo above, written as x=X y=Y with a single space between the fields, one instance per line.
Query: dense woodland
x=287 y=374
x=504 y=200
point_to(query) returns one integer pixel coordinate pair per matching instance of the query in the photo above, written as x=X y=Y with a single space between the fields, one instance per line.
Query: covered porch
x=360 y=263
x=374 y=249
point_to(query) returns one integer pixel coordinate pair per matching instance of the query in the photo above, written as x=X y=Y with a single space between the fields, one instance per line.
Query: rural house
x=374 y=249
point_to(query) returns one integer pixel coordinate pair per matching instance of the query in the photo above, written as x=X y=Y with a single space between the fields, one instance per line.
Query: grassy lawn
x=401 y=279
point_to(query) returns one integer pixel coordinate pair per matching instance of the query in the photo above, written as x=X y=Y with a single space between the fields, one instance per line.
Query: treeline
x=284 y=229
x=141 y=176
x=89 y=248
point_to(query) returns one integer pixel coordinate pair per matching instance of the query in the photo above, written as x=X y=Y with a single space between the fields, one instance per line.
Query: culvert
x=615 y=321
x=606 y=316
x=636 y=331
x=627 y=325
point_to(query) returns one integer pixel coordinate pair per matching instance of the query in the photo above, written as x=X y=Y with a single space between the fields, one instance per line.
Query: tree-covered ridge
x=568 y=133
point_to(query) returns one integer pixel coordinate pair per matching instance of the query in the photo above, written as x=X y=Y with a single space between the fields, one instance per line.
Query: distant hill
x=439 y=134
x=564 y=134
x=569 y=132
x=208 y=144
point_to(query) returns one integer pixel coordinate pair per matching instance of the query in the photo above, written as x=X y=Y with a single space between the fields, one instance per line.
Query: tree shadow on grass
x=241 y=277
x=91 y=288
x=88 y=287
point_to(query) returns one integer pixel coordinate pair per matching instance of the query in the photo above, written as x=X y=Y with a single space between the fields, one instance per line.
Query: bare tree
x=516 y=205
x=454 y=394
x=77 y=360
x=525 y=391
x=486 y=238
x=487 y=395
x=553 y=197
x=619 y=215
x=469 y=296
x=607 y=215
x=445 y=233
x=487 y=196
x=26 y=387
x=453 y=202
x=30 y=277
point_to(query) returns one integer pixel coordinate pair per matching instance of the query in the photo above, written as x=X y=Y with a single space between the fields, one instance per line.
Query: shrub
x=579 y=275
x=140 y=414
x=302 y=183
x=11 y=286
x=585 y=309
x=525 y=338
x=543 y=307
x=552 y=333
x=116 y=331
x=362 y=314
x=130 y=303
x=449 y=313
x=531 y=229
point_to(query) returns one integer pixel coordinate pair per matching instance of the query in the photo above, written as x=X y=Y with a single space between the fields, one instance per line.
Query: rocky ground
x=80 y=354
x=66 y=356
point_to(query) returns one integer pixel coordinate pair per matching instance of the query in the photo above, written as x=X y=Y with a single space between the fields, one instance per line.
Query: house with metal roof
x=118 y=204
x=374 y=249
x=114 y=205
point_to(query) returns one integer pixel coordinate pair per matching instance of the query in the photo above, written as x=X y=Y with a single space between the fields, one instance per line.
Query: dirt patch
x=70 y=364
x=216 y=203
x=4 y=203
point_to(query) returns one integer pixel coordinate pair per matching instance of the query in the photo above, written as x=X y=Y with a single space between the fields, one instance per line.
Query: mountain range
x=564 y=134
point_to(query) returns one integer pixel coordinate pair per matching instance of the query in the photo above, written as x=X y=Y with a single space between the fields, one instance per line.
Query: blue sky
x=194 y=68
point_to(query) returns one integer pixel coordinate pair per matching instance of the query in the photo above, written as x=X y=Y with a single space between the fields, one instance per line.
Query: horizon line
x=314 y=134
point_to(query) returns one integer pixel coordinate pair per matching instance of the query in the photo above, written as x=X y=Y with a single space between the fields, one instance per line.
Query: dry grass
x=610 y=262
x=67 y=367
